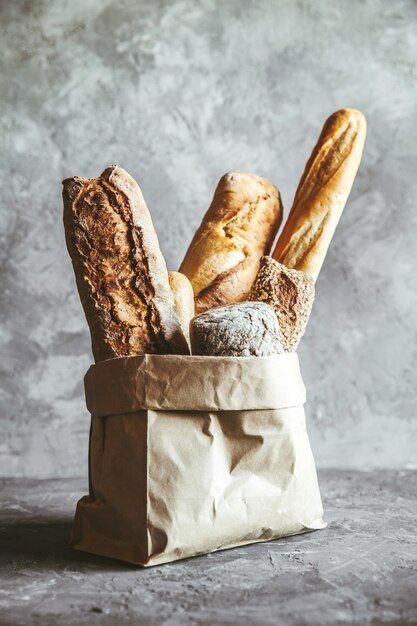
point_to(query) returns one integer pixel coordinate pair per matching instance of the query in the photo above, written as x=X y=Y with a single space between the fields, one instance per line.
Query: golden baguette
x=237 y=230
x=322 y=193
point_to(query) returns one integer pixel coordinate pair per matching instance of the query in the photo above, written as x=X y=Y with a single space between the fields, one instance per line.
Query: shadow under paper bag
x=191 y=454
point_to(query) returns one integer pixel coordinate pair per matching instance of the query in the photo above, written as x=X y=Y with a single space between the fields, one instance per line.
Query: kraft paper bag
x=192 y=454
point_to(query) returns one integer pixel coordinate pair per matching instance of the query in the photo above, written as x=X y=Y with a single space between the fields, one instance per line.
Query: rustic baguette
x=239 y=227
x=120 y=272
x=322 y=193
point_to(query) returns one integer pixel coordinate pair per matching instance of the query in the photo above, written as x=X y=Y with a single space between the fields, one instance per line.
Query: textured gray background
x=178 y=93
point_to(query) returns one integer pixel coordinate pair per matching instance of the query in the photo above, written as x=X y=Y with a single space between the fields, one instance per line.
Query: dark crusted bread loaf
x=239 y=227
x=121 y=275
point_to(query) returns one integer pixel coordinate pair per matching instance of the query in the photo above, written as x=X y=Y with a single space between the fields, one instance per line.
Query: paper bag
x=192 y=454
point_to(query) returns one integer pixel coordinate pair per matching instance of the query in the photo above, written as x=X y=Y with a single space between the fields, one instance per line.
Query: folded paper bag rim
x=193 y=383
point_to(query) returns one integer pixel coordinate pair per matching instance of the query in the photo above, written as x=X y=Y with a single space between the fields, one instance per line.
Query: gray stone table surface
x=361 y=570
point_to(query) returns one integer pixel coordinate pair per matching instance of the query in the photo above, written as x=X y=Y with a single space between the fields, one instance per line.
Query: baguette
x=322 y=193
x=183 y=300
x=120 y=272
x=238 y=229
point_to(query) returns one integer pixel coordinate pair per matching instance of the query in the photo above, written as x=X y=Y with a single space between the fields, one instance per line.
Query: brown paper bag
x=192 y=454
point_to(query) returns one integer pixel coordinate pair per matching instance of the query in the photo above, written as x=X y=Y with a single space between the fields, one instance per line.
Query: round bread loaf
x=243 y=329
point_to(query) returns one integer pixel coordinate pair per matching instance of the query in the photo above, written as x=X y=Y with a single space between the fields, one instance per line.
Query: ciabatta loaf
x=238 y=228
x=121 y=275
x=322 y=193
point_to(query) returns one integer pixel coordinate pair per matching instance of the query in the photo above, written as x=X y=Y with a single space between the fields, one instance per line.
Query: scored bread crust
x=120 y=272
x=322 y=193
x=238 y=229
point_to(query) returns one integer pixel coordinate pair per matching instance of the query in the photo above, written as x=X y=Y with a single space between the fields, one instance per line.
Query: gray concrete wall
x=178 y=93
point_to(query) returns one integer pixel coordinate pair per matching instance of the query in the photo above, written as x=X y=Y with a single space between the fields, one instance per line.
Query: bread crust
x=239 y=227
x=120 y=272
x=182 y=291
x=242 y=329
x=322 y=193
x=290 y=293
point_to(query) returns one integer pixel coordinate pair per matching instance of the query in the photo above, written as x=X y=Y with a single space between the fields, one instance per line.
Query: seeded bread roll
x=291 y=293
x=183 y=299
x=238 y=228
x=120 y=272
x=322 y=193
